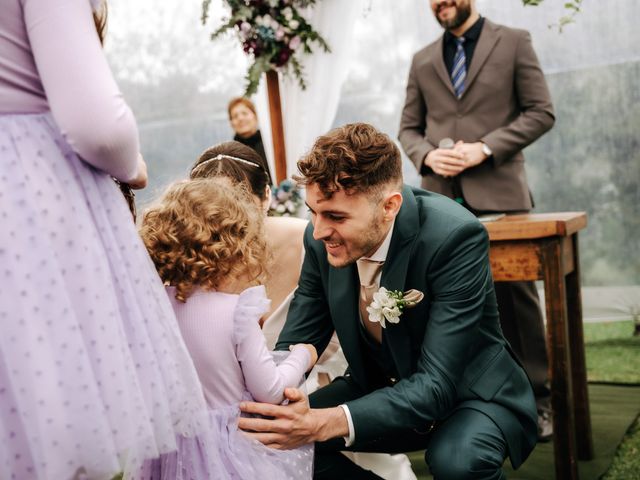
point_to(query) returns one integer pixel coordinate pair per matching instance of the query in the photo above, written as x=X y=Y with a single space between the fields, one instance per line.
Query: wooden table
x=545 y=247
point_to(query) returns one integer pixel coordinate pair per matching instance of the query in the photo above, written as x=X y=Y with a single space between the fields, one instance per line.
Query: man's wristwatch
x=486 y=150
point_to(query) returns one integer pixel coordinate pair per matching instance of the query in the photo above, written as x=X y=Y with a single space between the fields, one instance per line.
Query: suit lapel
x=486 y=42
x=440 y=67
x=394 y=274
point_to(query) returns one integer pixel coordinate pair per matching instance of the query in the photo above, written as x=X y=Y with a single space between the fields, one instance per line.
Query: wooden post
x=584 y=436
x=277 y=128
x=562 y=401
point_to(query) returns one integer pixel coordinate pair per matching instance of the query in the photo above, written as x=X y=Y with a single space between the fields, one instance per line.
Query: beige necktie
x=368 y=270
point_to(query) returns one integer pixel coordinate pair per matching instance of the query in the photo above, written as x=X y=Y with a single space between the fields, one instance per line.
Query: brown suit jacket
x=506 y=104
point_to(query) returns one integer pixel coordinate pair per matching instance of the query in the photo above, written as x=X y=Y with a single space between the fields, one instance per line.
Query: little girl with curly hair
x=207 y=242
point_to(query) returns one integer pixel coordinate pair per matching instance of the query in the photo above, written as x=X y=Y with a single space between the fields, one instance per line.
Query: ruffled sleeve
x=252 y=305
x=264 y=380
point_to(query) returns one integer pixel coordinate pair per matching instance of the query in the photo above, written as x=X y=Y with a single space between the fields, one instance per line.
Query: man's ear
x=391 y=205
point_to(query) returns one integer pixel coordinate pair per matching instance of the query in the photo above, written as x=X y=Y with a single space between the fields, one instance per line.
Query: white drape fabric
x=310 y=113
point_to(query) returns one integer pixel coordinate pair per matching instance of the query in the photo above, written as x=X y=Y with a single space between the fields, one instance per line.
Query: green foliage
x=572 y=7
x=273 y=33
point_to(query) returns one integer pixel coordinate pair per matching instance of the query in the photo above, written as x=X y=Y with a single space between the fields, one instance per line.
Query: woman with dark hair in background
x=244 y=121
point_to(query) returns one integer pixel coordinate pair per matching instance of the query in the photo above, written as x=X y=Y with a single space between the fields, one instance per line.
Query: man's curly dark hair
x=355 y=157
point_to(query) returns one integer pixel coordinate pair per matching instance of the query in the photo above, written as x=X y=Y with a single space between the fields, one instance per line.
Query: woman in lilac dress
x=207 y=241
x=94 y=375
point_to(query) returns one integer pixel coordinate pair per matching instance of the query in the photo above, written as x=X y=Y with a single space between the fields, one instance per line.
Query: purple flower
x=252 y=46
x=282 y=57
x=295 y=42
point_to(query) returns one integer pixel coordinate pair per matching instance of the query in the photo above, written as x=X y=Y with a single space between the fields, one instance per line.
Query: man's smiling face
x=351 y=226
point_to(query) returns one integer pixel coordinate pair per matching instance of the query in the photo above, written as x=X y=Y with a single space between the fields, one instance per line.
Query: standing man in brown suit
x=475 y=98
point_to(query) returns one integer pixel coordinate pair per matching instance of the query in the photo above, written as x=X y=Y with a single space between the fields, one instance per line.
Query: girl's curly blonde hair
x=203 y=233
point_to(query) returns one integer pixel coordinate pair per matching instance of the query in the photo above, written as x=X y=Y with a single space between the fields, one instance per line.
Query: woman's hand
x=141 y=178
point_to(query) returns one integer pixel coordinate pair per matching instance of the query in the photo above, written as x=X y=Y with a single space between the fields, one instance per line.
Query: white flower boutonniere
x=387 y=305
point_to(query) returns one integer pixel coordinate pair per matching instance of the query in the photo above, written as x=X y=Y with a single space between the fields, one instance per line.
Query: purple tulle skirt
x=94 y=375
x=225 y=452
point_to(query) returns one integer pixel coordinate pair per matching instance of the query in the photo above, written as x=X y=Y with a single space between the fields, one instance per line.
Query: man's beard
x=463 y=12
x=371 y=239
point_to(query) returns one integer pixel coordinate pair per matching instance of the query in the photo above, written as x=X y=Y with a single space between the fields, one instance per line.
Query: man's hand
x=471 y=153
x=447 y=162
x=292 y=425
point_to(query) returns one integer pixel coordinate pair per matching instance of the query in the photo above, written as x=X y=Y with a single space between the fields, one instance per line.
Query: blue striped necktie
x=459 y=72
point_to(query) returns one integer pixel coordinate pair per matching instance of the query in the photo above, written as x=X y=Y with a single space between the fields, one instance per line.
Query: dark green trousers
x=467 y=445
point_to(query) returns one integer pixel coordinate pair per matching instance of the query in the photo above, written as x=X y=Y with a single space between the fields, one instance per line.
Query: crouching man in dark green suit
x=435 y=374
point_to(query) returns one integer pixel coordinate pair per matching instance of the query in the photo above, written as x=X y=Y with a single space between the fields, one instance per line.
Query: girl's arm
x=264 y=379
x=82 y=94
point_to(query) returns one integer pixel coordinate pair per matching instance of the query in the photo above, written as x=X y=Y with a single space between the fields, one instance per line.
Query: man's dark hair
x=355 y=157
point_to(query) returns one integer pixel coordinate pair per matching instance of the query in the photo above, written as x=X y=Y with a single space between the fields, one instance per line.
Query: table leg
x=584 y=438
x=561 y=398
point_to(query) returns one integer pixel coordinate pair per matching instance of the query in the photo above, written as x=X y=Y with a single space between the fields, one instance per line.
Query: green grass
x=626 y=463
x=613 y=354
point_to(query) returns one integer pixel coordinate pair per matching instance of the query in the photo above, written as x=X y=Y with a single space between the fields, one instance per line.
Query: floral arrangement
x=285 y=200
x=387 y=305
x=273 y=33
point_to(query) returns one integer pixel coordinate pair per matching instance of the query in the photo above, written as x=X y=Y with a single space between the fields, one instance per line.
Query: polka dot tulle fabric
x=94 y=376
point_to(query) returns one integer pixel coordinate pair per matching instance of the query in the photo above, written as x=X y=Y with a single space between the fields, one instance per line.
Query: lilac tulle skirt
x=94 y=375
x=225 y=452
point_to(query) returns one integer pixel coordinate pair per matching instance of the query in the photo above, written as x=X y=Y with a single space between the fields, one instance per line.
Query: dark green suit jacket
x=448 y=350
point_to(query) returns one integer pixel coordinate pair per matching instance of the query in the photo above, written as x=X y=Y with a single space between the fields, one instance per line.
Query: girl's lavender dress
x=229 y=350
x=94 y=375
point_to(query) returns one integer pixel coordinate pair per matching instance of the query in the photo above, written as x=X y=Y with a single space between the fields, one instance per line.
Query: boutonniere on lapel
x=387 y=305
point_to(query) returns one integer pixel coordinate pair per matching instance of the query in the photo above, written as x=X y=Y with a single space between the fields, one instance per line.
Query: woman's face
x=243 y=121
